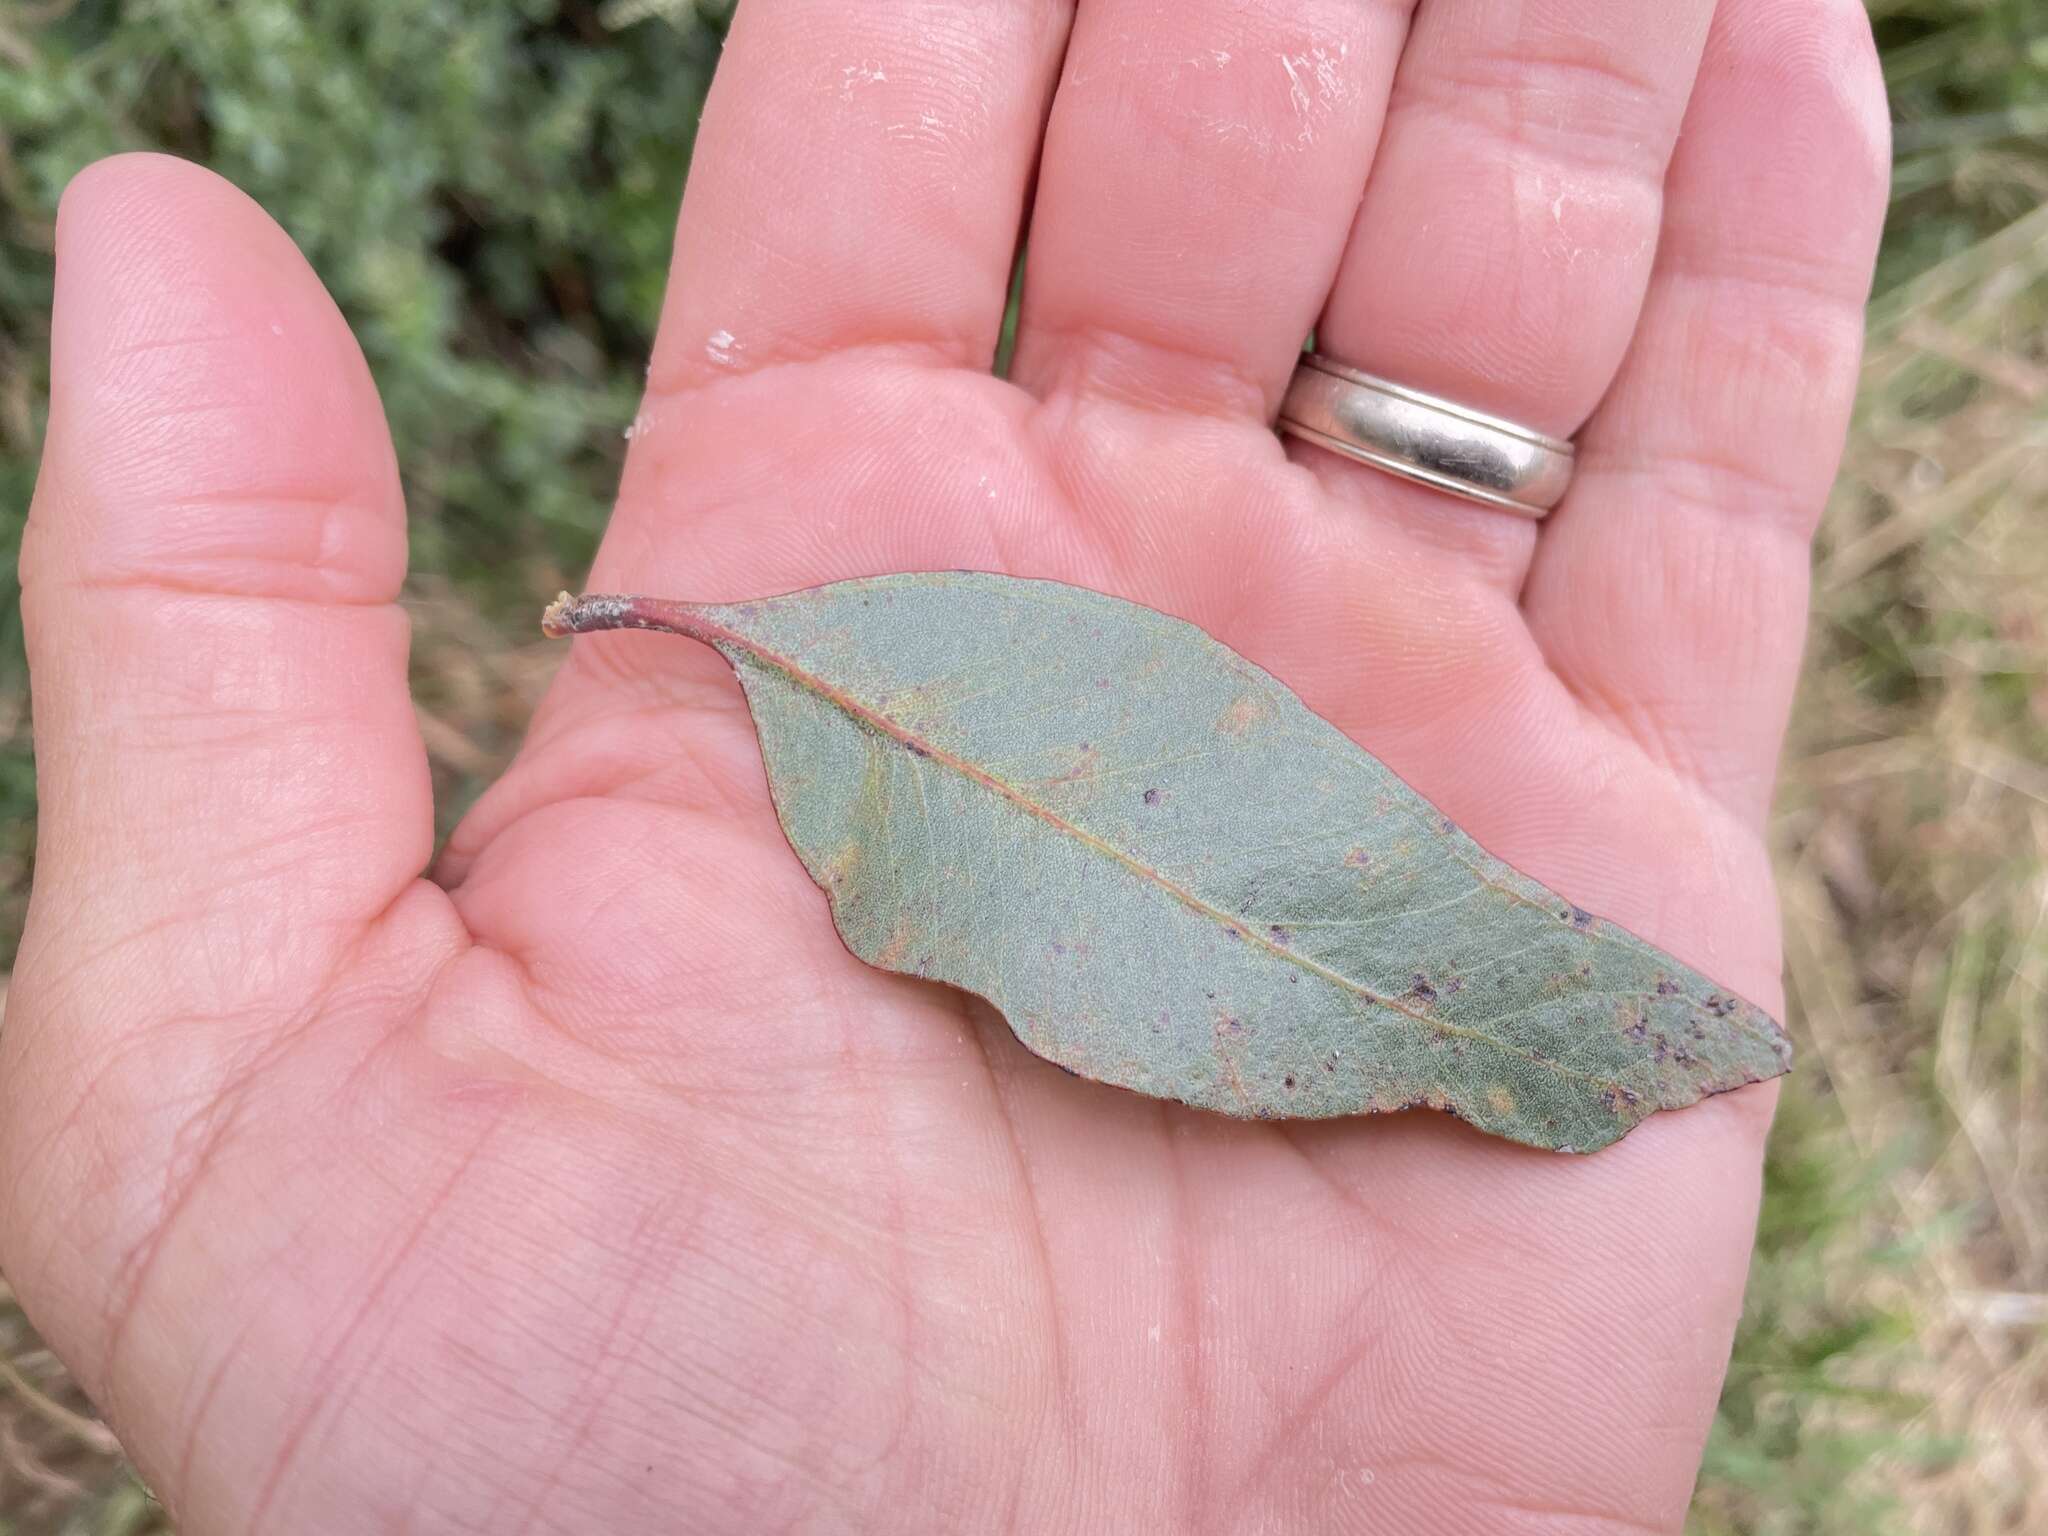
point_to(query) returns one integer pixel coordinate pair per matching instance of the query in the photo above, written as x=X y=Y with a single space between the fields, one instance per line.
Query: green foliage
x=1968 y=81
x=487 y=188
x=1799 y=1419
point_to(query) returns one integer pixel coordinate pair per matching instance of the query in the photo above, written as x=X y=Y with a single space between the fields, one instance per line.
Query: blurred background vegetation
x=488 y=188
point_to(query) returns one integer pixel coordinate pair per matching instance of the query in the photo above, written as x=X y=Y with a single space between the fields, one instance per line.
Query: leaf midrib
x=722 y=636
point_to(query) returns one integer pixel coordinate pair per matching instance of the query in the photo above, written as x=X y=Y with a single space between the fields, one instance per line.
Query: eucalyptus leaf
x=1169 y=874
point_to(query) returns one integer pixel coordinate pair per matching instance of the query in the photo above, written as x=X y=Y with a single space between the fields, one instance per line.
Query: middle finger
x=1201 y=167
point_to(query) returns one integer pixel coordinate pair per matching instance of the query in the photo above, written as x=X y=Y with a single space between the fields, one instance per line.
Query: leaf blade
x=1168 y=873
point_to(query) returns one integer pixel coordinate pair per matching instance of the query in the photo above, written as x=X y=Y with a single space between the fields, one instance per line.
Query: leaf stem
x=596 y=611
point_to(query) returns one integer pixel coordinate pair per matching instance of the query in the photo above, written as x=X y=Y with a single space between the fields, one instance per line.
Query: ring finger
x=1507 y=232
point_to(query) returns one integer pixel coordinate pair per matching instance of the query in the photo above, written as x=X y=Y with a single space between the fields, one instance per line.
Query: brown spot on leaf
x=837 y=869
x=1431 y=1098
x=891 y=956
x=1244 y=712
x=1151 y=797
x=1084 y=766
x=1499 y=1101
x=1227 y=1032
x=1421 y=990
x=1619 y=1100
x=1358 y=858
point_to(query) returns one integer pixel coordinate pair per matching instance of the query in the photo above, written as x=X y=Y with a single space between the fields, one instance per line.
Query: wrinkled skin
x=583 y=1181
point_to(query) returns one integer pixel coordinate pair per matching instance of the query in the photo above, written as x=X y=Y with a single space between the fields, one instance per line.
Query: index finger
x=858 y=180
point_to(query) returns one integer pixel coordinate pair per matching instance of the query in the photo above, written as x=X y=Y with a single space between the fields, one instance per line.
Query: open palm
x=587 y=1183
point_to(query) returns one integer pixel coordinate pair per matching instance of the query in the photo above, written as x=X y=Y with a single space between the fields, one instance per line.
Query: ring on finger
x=1425 y=438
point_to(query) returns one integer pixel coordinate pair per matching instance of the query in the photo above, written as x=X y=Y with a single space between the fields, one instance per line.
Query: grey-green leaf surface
x=1169 y=874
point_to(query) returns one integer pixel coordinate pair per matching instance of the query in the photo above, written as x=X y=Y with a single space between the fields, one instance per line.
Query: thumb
x=232 y=784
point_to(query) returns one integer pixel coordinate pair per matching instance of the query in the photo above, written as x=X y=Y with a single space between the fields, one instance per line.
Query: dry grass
x=1913 y=854
x=1916 y=826
x=60 y=1470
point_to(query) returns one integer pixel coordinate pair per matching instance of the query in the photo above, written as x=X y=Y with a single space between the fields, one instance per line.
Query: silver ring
x=1425 y=438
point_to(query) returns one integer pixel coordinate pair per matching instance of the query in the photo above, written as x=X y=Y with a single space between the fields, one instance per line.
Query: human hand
x=589 y=1184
